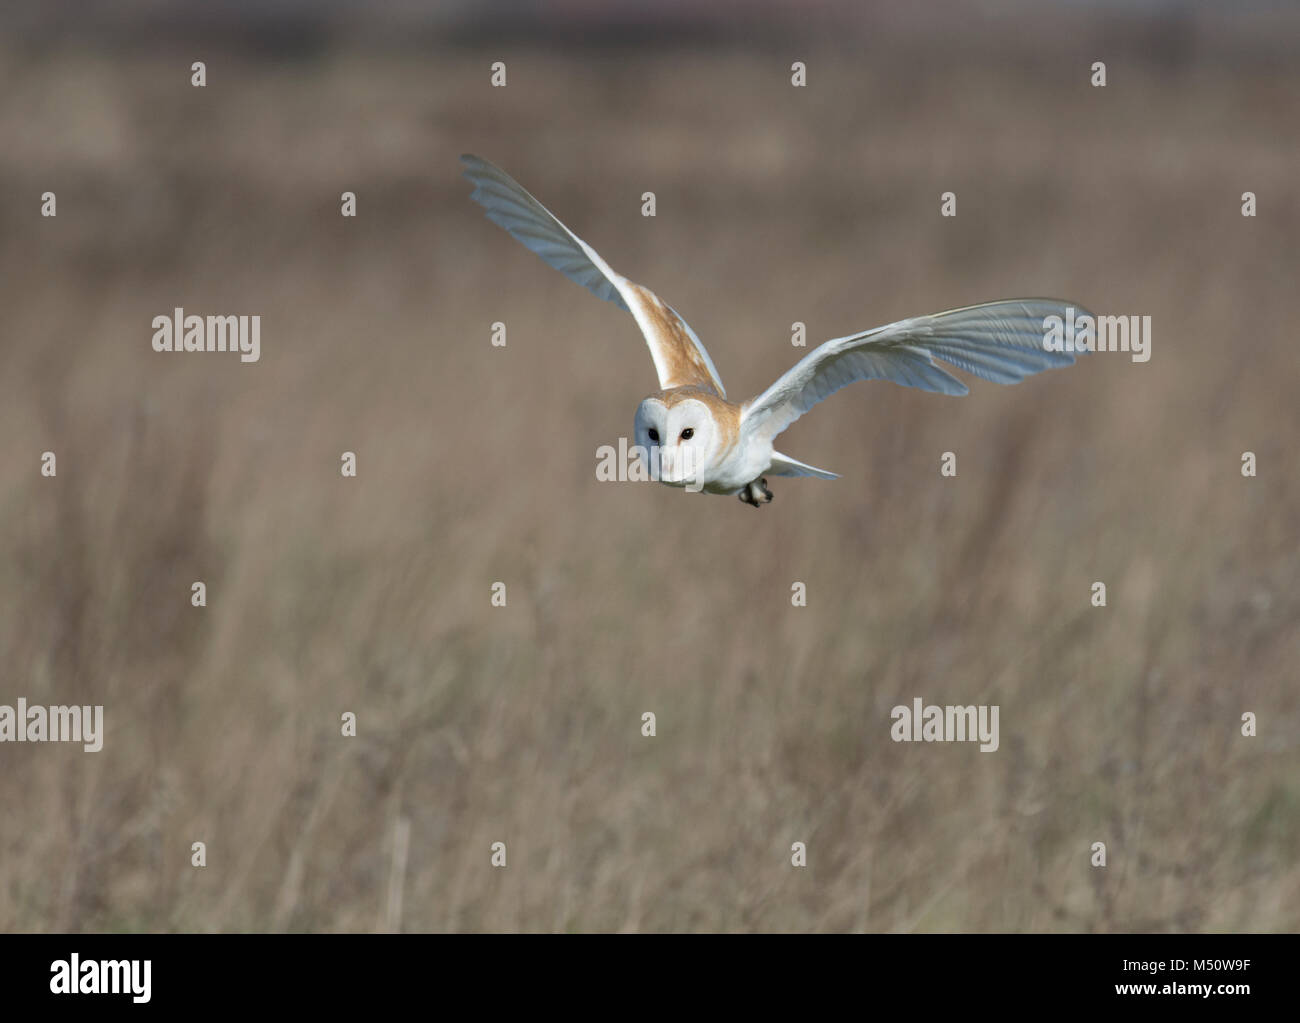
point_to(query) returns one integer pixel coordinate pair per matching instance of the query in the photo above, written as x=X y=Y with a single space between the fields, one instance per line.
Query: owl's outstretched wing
x=679 y=357
x=997 y=341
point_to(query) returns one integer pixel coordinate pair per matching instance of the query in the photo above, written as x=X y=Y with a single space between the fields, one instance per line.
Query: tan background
x=478 y=464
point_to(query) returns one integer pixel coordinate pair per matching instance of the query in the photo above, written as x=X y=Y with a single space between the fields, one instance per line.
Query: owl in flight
x=699 y=440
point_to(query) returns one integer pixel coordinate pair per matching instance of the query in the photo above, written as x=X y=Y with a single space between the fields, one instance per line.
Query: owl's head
x=681 y=439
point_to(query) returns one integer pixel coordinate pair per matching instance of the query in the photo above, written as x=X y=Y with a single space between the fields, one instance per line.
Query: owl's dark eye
x=654 y=434
x=688 y=433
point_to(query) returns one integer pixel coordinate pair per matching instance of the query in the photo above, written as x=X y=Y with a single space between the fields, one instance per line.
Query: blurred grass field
x=477 y=465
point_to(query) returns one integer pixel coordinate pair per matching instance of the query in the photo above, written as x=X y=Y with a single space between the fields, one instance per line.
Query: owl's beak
x=656 y=463
x=667 y=467
x=677 y=464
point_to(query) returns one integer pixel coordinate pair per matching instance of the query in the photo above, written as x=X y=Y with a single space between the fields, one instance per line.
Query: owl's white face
x=683 y=437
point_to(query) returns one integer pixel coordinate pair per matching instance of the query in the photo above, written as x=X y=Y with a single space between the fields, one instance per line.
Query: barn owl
x=696 y=437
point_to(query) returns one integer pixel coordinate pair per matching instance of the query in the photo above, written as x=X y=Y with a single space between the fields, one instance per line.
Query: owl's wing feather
x=997 y=341
x=679 y=357
x=784 y=465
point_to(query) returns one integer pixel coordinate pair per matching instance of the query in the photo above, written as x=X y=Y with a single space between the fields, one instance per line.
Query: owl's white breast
x=741 y=463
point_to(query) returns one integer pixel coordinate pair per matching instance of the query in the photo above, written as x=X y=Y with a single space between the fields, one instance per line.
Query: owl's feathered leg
x=756 y=493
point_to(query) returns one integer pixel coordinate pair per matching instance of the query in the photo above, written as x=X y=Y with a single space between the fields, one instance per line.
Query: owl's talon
x=756 y=493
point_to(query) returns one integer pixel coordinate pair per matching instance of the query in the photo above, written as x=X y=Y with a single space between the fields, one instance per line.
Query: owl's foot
x=756 y=493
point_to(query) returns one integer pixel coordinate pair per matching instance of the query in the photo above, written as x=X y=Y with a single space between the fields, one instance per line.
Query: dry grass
x=476 y=465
